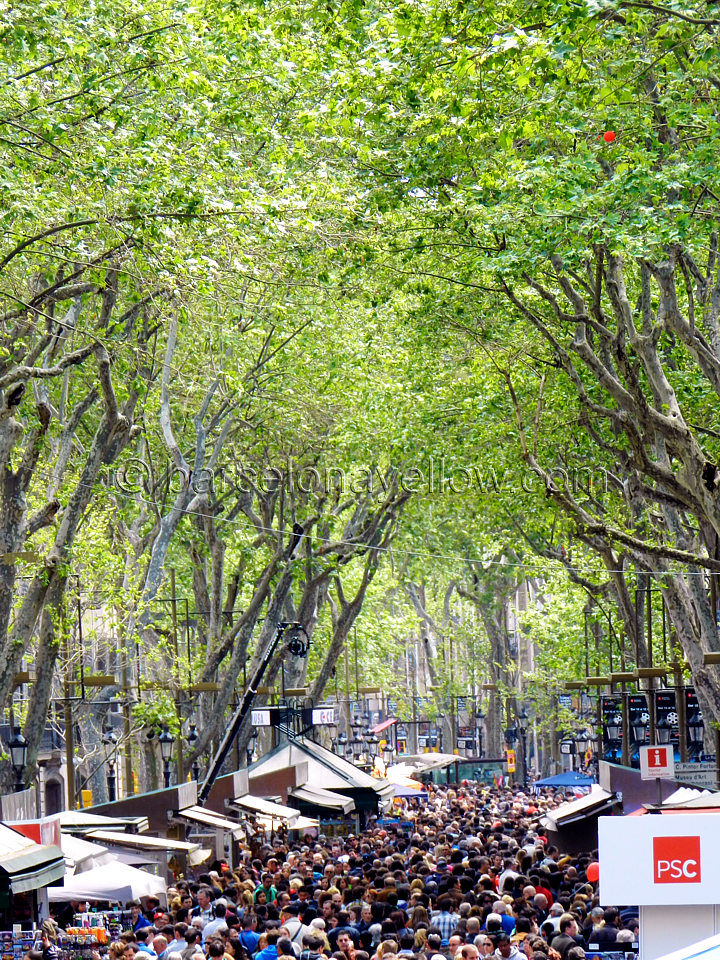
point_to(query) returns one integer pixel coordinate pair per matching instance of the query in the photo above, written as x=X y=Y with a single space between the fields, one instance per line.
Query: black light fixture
x=663 y=730
x=18 y=758
x=110 y=742
x=167 y=742
x=388 y=753
x=581 y=741
x=614 y=729
x=639 y=731
x=192 y=738
x=356 y=744
x=695 y=727
x=511 y=736
x=252 y=742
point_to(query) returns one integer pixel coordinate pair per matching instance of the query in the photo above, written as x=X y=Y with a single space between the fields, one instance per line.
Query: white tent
x=116 y=882
x=81 y=856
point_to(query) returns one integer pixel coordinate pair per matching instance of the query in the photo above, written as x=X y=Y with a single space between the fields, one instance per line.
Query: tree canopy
x=361 y=317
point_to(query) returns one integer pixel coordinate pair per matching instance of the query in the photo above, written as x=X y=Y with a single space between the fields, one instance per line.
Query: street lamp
x=639 y=731
x=110 y=744
x=695 y=732
x=252 y=742
x=522 y=722
x=581 y=741
x=387 y=754
x=18 y=758
x=614 y=730
x=663 y=730
x=192 y=739
x=167 y=742
x=477 y=733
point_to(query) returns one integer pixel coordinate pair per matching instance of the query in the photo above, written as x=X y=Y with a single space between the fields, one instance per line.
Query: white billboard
x=660 y=859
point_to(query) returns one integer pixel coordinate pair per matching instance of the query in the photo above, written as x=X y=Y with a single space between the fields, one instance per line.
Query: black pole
x=111 y=783
x=166 y=773
x=240 y=714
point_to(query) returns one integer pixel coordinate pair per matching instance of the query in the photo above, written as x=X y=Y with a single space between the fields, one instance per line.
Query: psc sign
x=510 y=758
x=676 y=860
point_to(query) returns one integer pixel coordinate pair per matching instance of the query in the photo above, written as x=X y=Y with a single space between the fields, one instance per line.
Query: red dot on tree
x=609 y=136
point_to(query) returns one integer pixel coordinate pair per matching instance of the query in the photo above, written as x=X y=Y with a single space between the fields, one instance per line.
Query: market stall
x=26 y=867
x=115 y=885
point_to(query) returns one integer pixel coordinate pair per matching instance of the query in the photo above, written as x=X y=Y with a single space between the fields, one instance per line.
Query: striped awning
x=384 y=725
x=33 y=867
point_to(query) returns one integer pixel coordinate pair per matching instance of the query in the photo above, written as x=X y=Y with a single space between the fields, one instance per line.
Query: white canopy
x=320 y=797
x=207 y=818
x=324 y=768
x=304 y=823
x=274 y=811
x=80 y=855
x=80 y=821
x=592 y=803
x=420 y=762
x=118 y=882
x=141 y=841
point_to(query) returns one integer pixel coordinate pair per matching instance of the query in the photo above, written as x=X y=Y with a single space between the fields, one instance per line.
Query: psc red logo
x=676 y=859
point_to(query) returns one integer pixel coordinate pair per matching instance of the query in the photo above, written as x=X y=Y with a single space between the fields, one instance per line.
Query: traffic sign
x=657 y=762
x=510 y=757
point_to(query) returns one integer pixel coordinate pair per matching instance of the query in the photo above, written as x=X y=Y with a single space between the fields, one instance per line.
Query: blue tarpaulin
x=571 y=778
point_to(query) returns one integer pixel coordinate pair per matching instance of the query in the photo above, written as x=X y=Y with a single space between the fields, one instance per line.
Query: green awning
x=33 y=868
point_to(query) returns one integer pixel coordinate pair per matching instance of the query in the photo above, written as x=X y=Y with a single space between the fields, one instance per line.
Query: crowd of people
x=472 y=875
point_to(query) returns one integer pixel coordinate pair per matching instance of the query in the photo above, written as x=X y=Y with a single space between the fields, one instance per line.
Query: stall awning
x=207 y=818
x=318 y=797
x=142 y=841
x=588 y=806
x=33 y=867
x=384 y=725
x=274 y=811
x=81 y=854
x=78 y=821
x=117 y=883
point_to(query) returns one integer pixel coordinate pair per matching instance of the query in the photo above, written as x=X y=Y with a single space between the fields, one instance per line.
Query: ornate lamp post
x=18 y=758
x=639 y=731
x=252 y=742
x=110 y=745
x=167 y=742
x=695 y=732
x=663 y=730
x=192 y=739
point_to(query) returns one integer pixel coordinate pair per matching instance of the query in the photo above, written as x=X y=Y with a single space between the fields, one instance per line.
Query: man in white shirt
x=217 y=924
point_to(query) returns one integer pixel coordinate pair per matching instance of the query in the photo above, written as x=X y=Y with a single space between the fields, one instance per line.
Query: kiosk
x=668 y=866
